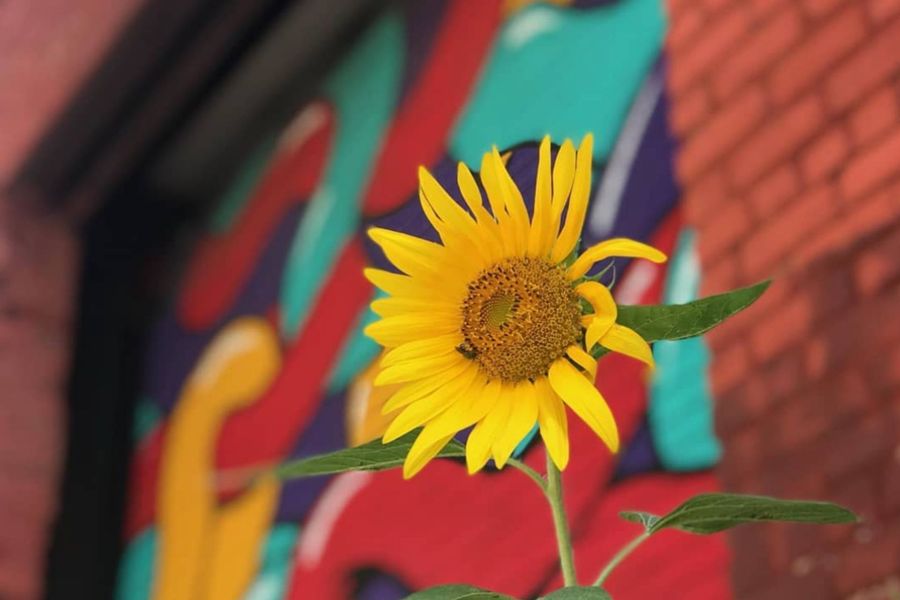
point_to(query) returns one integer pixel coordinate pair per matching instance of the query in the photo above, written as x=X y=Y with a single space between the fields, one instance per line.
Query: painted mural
x=261 y=356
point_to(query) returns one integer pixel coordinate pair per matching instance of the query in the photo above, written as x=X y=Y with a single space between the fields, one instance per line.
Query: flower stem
x=563 y=538
x=619 y=557
x=532 y=474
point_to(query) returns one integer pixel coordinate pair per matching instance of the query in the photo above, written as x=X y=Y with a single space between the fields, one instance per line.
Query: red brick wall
x=788 y=116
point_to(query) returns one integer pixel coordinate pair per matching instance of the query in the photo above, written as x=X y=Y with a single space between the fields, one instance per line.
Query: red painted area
x=142 y=487
x=423 y=122
x=223 y=263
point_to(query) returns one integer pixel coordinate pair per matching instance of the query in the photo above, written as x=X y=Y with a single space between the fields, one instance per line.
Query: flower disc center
x=519 y=316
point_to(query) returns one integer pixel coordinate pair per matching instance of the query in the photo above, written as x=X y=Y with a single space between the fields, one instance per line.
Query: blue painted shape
x=563 y=72
x=681 y=410
x=275 y=566
x=363 y=91
x=135 y=578
x=358 y=351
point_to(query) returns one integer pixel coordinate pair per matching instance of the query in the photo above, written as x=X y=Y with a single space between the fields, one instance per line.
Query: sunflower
x=493 y=327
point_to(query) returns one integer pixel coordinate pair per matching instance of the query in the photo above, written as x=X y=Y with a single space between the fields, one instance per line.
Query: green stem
x=563 y=538
x=620 y=556
x=532 y=474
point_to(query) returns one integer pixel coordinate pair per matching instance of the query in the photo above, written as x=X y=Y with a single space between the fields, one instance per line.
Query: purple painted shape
x=651 y=191
x=639 y=455
x=377 y=585
x=422 y=20
x=325 y=433
x=173 y=351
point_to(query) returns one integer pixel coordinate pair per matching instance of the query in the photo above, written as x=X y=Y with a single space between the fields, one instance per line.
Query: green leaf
x=648 y=520
x=711 y=513
x=457 y=592
x=373 y=456
x=578 y=593
x=680 y=321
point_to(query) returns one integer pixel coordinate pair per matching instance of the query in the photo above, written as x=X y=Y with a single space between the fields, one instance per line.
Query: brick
x=742 y=406
x=882 y=10
x=878 y=265
x=791 y=228
x=850 y=449
x=825 y=155
x=890 y=484
x=800 y=422
x=872 y=64
x=729 y=368
x=876 y=116
x=689 y=109
x=782 y=328
x=758 y=52
x=725 y=229
x=869 y=169
x=774 y=190
x=720 y=133
x=720 y=276
x=865 y=215
x=719 y=35
x=820 y=8
x=760 y=9
x=866 y=563
x=777 y=140
x=686 y=25
x=705 y=197
x=803 y=67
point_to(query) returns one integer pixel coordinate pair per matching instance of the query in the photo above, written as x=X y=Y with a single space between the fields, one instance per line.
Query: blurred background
x=174 y=171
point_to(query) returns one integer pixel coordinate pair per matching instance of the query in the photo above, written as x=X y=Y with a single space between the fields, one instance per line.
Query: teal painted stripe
x=271 y=580
x=358 y=352
x=564 y=72
x=681 y=410
x=363 y=91
x=136 y=567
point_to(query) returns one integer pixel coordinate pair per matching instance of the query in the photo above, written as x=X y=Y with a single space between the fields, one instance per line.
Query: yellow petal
x=539 y=234
x=423 y=410
x=613 y=247
x=521 y=420
x=412 y=255
x=583 y=359
x=581 y=191
x=397 y=284
x=400 y=329
x=421 y=455
x=421 y=348
x=563 y=174
x=497 y=191
x=488 y=230
x=418 y=368
x=474 y=403
x=391 y=307
x=443 y=204
x=628 y=342
x=585 y=401
x=478 y=446
x=605 y=310
x=411 y=392
x=515 y=205
x=553 y=423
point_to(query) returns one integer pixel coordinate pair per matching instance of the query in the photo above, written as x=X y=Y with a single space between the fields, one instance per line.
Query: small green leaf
x=457 y=592
x=711 y=513
x=578 y=593
x=373 y=456
x=648 y=520
x=680 y=321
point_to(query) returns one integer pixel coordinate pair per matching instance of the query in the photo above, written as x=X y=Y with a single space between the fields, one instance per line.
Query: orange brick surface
x=792 y=170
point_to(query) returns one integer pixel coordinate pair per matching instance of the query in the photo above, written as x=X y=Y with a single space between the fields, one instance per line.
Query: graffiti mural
x=261 y=357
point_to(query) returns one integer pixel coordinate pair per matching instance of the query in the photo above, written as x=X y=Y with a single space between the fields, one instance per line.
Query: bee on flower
x=487 y=329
